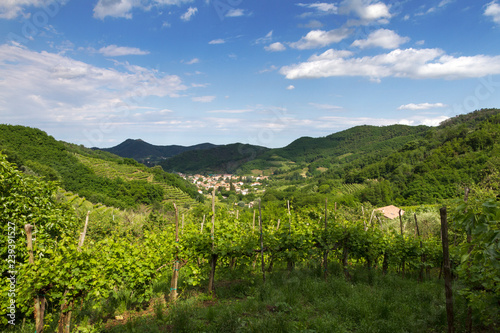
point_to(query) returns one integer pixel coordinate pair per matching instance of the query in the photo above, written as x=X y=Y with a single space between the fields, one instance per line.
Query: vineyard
x=130 y=172
x=351 y=188
x=57 y=274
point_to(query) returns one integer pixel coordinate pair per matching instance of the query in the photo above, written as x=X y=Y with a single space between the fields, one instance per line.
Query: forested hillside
x=435 y=165
x=149 y=154
x=35 y=152
x=221 y=159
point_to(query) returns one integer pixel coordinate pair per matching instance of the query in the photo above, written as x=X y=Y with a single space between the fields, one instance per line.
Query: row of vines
x=60 y=269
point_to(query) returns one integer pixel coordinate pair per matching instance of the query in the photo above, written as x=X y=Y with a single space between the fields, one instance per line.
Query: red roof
x=390 y=212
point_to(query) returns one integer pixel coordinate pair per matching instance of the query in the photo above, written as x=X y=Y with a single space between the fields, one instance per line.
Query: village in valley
x=243 y=185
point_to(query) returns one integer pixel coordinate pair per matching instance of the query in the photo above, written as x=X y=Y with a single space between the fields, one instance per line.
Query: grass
x=302 y=301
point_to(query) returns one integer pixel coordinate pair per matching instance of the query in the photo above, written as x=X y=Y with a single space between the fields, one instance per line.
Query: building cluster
x=243 y=185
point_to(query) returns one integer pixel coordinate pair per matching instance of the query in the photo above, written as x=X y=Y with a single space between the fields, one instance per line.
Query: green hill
x=149 y=154
x=420 y=167
x=338 y=148
x=221 y=159
x=96 y=175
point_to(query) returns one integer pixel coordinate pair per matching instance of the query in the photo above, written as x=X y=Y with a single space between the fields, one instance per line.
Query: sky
x=98 y=72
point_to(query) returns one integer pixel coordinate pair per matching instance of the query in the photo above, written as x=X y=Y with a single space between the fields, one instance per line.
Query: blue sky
x=223 y=71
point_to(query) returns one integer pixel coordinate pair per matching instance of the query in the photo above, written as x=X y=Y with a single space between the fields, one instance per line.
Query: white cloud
x=408 y=63
x=269 y=69
x=10 y=9
x=235 y=12
x=383 y=38
x=114 y=8
x=323 y=7
x=493 y=10
x=123 y=8
x=203 y=99
x=421 y=106
x=367 y=10
x=217 y=41
x=275 y=47
x=421 y=120
x=115 y=51
x=193 y=61
x=290 y=87
x=320 y=38
x=71 y=93
x=189 y=14
x=266 y=39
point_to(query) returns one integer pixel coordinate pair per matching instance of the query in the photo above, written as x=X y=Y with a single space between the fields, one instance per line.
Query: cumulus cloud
x=408 y=63
x=189 y=14
x=421 y=120
x=367 y=10
x=123 y=8
x=116 y=51
x=290 y=87
x=275 y=47
x=10 y=9
x=383 y=38
x=320 y=8
x=114 y=8
x=320 y=38
x=235 y=12
x=49 y=88
x=493 y=10
x=421 y=106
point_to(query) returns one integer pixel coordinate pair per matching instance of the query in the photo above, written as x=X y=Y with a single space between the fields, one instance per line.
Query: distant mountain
x=221 y=159
x=149 y=154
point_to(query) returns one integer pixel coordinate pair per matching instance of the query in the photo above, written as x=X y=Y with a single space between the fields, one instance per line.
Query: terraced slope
x=112 y=170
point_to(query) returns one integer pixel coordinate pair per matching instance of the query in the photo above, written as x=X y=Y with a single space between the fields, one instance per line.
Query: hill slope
x=99 y=176
x=221 y=159
x=338 y=148
x=149 y=154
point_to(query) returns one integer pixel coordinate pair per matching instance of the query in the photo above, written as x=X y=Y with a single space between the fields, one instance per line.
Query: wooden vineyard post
x=364 y=221
x=175 y=272
x=39 y=300
x=214 y=256
x=253 y=223
x=262 y=245
x=64 y=323
x=401 y=222
x=447 y=271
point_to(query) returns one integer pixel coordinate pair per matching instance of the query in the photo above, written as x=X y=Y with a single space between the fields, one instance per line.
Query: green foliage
x=480 y=258
x=115 y=182
x=221 y=159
